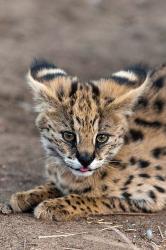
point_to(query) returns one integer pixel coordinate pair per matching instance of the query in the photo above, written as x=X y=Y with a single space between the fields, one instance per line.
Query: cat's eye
x=68 y=136
x=102 y=138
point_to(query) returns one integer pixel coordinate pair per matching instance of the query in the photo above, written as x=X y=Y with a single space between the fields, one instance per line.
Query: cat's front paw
x=5 y=208
x=23 y=201
x=52 y=210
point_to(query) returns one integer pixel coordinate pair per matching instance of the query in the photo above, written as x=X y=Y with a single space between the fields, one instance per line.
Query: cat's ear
x=127 y=101
x=41 y=73
x=45 y=78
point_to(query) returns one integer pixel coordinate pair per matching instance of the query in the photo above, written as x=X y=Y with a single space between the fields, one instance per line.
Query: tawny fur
x=128 y=173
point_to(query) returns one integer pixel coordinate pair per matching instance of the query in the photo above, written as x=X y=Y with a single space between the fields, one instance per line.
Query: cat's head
x=83 y=124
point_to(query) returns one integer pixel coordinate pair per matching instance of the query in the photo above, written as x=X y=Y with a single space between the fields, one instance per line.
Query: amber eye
x=102 y=138
x=68 y=136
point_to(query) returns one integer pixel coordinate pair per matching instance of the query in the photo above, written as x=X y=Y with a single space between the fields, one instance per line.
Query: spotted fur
x=126 y=172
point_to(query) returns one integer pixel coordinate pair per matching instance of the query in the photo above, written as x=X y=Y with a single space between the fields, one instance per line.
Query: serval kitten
x=105 y=143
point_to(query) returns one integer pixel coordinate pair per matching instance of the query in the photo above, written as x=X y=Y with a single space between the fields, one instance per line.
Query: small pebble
x=149 y=233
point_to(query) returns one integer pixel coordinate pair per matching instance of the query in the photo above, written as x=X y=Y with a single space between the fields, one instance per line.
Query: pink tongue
x=83 y=169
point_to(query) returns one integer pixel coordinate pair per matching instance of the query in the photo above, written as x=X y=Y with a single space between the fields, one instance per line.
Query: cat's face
x=81 y=124
x=81 y=132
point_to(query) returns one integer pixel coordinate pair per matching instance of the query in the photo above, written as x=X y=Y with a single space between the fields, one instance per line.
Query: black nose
x=85 y=158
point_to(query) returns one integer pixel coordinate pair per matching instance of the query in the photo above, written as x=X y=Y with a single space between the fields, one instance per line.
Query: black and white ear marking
x=42 y=70
x=132 y=75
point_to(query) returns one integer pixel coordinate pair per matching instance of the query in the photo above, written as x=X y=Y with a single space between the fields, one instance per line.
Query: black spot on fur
x=145 y=210
x=143 y=163
x=159 y=83
x=136 y=135
x=124 y=189
x=74 y=207
x=90 y=210
x=106 y=205
x=78 y=119
x=82 y=201
x=119 y=164
x=152 y=195
x=104 y=174
x=132 y=161
x=151 y=124
x=87 y=190
x=129 y=180
x=126 y=140
x=159 y=151
x=159 y=189
x=139 y=184
x=115 y=180
x=158 y=167
x=68 y=202
x=158 y=105
x=160 y=178
x=126 y=195
x=142 y=103
x=147 y=176
x=116 y=162
x=78 y=202
x=104 y=188
x=122 y=206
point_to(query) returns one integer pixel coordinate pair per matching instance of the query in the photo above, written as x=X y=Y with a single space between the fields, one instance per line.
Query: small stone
x=149 y=233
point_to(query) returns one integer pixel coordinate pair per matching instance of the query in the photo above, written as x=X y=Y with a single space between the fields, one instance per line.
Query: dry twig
x=59 y=235
x=161 y=234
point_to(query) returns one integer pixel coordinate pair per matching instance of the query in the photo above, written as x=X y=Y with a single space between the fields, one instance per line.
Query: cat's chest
x=62 y=184
x=66 y=183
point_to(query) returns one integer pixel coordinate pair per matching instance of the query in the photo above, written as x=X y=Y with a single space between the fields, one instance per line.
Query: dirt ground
x=89 y=38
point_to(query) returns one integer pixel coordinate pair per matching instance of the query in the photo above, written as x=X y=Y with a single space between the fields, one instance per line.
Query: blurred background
x=88 y=38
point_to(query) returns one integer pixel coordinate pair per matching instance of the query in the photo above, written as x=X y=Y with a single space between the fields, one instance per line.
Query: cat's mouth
x=82 y=171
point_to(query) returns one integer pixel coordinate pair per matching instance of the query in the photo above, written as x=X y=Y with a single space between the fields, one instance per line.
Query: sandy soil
x=89 y=38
